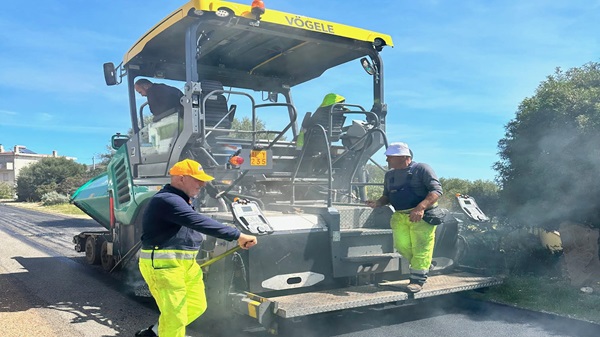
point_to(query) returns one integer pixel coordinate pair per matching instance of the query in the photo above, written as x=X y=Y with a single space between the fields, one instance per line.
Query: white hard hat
x=398 y=149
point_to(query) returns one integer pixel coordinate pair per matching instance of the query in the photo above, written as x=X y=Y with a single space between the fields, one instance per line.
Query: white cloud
x=8 y=113
x=44 y=117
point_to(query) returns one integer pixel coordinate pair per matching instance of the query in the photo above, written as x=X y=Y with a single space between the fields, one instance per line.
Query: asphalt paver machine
x=297 y=181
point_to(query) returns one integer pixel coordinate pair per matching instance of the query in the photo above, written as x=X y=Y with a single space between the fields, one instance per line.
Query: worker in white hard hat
x=413 y=189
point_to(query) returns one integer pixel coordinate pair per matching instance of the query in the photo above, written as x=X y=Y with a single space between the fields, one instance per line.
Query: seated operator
x=323 y=112
x=161 y=97
x=321 y=116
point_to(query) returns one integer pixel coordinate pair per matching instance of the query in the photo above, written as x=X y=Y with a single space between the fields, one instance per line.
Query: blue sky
x=457 y=73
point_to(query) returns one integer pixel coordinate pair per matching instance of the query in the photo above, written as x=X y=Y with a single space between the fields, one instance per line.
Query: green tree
x=47 y=175
x=6 y=191
x=485 y=193
x=104 y=158
x=451 y=187
x=550 y=155
x=245 y=124
x=375 y=174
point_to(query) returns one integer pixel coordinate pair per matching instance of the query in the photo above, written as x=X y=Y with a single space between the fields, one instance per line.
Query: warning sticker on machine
x=258 y=158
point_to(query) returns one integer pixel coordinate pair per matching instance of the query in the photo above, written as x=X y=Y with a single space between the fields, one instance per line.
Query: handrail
x=361 y=111
x=219 y=91
x=141 y=122
x=371 y=133
x=368 y=138
x=214 y=128
x=309 y=133
x=373 y=115
x=377 y=164
x=293 y=118
x=367 y=144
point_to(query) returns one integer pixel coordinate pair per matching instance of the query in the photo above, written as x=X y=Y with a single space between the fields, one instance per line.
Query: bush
x=506 y=249
x=71 y=184
x=54 y=198
x=6 y=191
x=41 y=190
x=47 y=175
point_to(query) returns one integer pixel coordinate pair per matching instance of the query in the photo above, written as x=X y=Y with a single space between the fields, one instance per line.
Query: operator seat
x=321 y=116
x=216 y=106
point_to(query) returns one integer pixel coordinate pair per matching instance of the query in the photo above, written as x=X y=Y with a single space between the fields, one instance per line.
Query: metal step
x=371 y=257
x=364 y=232
x=386 y=292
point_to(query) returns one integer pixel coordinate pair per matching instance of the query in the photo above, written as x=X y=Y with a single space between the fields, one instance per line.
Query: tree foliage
x=104 y=158
x=6 y=191
x=375 y=175
x=550 y=155
x=245 y=124
x=47 y=175
x=485 y=193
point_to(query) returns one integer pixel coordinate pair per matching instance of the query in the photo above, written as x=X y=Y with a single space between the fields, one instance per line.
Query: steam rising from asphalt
x=560 y=179
x=133 y=281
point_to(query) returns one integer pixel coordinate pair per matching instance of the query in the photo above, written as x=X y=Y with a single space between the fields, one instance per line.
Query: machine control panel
x=248 y=215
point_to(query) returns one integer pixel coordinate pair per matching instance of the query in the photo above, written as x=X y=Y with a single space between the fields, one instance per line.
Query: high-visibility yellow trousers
x=414 y=241
x=175 y=281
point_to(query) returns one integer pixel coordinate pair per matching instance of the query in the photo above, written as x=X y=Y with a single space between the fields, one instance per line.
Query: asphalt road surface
x=47 y=289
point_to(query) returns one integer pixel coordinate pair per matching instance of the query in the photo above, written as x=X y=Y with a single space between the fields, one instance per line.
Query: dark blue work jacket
x=170 y=222
x=406 y=188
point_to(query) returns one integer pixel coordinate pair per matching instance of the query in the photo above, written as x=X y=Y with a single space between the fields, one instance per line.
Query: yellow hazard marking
x=258 y=158
x=252 y=306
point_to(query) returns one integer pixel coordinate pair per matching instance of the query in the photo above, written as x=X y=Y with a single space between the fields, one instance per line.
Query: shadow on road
x=79 y=292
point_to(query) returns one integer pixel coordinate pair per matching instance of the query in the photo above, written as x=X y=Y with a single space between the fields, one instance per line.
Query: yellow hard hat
x=188 y=167
x=331 y=99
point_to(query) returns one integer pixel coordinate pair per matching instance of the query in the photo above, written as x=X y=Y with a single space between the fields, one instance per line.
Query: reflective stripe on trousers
x=168 y=254
x=175 y=281
x=414 y=241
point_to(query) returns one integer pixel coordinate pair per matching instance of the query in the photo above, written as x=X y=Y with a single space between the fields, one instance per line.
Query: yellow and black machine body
x=301 y=176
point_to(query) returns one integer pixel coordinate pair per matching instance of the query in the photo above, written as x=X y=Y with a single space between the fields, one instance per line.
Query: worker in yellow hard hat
x=171 y=236
x=331 y=99
x=321 y=116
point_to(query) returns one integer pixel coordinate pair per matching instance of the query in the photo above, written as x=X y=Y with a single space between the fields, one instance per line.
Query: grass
x=538 y=293
x=546 y=294
x=65 y=209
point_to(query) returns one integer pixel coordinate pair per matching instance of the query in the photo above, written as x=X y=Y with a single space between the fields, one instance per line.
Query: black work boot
x=146 y=332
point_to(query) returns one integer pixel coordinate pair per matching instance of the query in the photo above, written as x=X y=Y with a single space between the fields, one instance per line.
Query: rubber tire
x=107 y=261
x=92 y=251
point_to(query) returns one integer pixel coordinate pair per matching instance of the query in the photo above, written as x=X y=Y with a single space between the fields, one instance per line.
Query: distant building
x=11 y=162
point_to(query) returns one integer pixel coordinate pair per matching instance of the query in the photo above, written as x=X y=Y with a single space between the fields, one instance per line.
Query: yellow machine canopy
x=231 y=45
